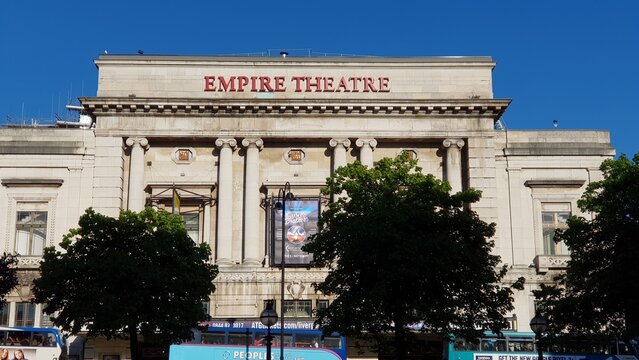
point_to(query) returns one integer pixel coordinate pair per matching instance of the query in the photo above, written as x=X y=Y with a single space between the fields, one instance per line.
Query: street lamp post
x=268 y=317
x=283 y=194
x=538 y=325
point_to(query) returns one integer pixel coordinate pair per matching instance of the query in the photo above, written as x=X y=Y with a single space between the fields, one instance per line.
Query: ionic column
x=252 y=201
x=340 y=146
x=137 y=199
x=453 y=163
x=225 y=200
x=366 y=150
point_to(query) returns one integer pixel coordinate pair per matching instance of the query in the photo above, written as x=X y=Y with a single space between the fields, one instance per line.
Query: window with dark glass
x=31 y=232
x=4 y=315
x=25 y=314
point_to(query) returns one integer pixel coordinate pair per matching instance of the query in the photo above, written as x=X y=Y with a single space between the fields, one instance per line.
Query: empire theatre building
x=227 y=136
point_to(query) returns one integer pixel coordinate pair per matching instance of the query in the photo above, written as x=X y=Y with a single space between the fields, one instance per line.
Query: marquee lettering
x=344 y=84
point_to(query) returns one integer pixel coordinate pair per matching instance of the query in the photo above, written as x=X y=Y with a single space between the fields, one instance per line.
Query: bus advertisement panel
x=227 y=352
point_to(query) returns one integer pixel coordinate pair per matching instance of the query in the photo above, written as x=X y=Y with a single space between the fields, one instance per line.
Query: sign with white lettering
x=524 y=356
x=192 y=352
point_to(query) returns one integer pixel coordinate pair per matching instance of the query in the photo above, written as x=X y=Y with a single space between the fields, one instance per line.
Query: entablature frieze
x=96 y=106
x=267 y=275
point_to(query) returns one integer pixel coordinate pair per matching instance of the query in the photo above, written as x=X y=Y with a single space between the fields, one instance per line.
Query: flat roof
x=333 y=59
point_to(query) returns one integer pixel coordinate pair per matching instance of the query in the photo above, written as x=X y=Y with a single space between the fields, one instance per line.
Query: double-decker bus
x=32 y=343
x=522 y=346
x=246 y=340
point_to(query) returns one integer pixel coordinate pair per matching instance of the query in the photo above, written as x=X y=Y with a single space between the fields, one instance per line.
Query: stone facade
x=195 y=124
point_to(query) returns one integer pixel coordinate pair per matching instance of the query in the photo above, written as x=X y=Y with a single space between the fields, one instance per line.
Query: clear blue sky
x=574 y=61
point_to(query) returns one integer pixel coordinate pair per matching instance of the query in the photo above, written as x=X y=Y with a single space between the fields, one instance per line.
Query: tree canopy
x=598 y=296
x=8 y=276
x=139 y=273
x=402 y=252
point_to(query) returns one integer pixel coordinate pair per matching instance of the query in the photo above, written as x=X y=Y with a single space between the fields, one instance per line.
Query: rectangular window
x=553 y=217
x=25 y=314
x=322 y=304
x=297 y=308
x=4 y=315
x=31 y=232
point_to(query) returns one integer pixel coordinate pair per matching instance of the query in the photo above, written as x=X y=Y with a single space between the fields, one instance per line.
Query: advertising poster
x=300 y=222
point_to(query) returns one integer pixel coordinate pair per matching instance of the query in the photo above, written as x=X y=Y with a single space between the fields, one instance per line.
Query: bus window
x=3 y=337
x=239 y=338
x=520 y=344
x=18 y=338
x=463 y=345
x=493 y=345
x=213 y=338
x=288 y=340
x=307 y=340
x=332 y=342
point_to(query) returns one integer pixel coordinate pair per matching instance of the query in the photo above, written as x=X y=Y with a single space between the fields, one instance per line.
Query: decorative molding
x=493 y=108
x=544 y=263
x=143 y=142
x=253 y=142
x=370 y=142
x=29 y=262
x=454 y=142
x=346 y=143
x=32 y=182
x=554 y=183
x=266 y=275
x=226 y=142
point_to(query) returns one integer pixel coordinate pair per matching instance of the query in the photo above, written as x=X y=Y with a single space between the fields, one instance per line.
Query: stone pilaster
x=453 y=163
x=137 y=198
x=252 y=201
x=366 y=150
x=225 y=200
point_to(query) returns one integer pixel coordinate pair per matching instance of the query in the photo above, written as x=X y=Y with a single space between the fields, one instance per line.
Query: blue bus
x=522 y=346
x=245 y=340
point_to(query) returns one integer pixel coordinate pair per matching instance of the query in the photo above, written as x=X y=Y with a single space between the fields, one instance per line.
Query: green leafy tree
x=8 y=276
x=138 y=274
x=598 y=296
x=401 y=250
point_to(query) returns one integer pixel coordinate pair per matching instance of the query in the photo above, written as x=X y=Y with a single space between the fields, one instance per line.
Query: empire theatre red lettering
x=344 y=84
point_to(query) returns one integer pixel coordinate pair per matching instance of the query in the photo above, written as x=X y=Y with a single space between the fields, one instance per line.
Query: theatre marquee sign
x=351 y=84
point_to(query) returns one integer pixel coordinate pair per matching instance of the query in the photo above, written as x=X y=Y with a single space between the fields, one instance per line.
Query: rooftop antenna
x=555 y=123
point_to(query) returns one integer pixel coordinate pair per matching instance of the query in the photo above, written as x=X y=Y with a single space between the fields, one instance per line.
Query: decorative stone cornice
x=97 y=106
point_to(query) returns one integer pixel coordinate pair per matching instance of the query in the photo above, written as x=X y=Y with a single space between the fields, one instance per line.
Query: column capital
x=252 y=142
x=226 y=142
x=370 y=142
x=459 y=143
x=143 y=142
x=340 y=142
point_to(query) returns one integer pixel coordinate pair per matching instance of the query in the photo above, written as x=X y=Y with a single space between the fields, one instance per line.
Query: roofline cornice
x=104 y=106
